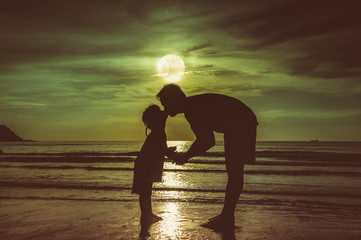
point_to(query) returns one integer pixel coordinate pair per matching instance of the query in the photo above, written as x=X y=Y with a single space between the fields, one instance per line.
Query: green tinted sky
x=84 y=70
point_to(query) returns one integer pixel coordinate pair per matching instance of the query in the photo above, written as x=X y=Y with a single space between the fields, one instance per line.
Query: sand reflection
x=171 y=227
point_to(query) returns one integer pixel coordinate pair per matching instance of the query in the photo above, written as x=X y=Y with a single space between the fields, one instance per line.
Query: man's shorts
x=240 y=148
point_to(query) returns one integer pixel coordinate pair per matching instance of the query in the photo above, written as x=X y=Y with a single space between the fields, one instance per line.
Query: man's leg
x=239 y=149
x=235 y=170
x=233 y=191
x=234 y=167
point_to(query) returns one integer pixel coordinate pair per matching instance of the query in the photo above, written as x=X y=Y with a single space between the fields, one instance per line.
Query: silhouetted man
x=215 y=112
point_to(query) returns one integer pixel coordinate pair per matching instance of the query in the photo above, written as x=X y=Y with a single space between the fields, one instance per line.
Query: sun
x=171 y=68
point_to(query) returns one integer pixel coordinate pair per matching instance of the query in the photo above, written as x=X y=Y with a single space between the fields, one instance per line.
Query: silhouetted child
x=148 y=167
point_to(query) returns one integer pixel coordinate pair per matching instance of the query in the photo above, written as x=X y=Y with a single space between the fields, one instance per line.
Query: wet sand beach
x=71 y=219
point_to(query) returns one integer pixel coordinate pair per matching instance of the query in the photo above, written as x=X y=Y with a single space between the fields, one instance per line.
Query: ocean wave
x=287 y=155
x=249 y=172
x=204 y=162
x=70 y=159
x=259 y=202
x=9 y=184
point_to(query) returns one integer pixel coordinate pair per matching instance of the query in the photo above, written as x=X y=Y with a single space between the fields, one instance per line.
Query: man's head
x=172 y=98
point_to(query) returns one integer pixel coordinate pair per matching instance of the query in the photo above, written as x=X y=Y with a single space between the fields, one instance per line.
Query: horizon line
x=313 y=141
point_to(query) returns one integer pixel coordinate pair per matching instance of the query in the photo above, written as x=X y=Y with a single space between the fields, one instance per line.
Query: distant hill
x=7 y=135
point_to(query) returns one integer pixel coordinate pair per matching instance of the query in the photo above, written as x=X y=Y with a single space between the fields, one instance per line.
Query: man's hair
x=170 y=90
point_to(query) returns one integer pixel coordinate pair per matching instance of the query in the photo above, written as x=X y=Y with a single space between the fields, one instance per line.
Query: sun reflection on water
x=173 y=183
x=182 y=146
x=173 y=224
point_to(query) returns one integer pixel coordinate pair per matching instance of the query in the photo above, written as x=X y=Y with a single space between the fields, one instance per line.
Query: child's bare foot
x=157 y=218
x=150 y=219
x=144 y=233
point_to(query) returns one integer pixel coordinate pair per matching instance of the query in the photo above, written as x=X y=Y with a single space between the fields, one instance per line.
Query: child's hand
x=179 y=158
x=170 y=151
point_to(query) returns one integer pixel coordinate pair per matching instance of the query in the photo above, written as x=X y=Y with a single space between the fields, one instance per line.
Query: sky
x=86 y=70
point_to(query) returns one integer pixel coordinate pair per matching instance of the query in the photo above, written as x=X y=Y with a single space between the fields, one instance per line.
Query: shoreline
x=84 y=195
x=69 y=219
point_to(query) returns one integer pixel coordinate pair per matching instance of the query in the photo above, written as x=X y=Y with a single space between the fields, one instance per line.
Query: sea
x=312 y=174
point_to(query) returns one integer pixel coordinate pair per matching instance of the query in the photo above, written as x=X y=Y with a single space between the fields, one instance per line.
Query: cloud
x=93 y=63
x=298 y=100
x=327 y=57
x=195 y=48
x=286 y=21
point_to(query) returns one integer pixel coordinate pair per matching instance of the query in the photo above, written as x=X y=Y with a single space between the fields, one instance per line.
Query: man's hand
x=170 y=150
x=179 y=158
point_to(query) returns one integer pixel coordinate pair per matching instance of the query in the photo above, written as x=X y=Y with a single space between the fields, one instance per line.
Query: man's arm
x=205 y=140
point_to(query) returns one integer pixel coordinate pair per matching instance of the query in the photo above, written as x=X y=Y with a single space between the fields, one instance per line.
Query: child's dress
x=148 y=166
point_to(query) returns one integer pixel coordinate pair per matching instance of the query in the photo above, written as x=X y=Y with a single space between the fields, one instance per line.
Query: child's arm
x=169 y=152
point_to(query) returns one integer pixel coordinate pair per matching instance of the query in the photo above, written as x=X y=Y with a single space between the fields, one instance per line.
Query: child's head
x=154 y=117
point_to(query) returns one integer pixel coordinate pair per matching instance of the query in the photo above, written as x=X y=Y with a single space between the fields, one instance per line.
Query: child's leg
x=145 y=201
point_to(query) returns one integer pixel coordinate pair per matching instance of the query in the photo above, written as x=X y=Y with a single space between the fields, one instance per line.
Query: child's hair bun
x=150 y=115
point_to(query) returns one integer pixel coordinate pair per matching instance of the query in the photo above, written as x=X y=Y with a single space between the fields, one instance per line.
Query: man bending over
x=208 y=113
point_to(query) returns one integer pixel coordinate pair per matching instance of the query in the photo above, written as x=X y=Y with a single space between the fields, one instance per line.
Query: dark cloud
x=207 y=66
x=195 y=48
x=298 y=100
x=38 y=49
x=95 y=60
x=312 y=38
x=40 y=31
x=337 y=55
x=77 y=16
x=329 y=121
x=293 y=20
x=219 y=73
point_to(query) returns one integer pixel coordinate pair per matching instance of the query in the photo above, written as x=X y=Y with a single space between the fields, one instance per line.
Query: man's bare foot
x=220 y=224
x=214 y=217
x=147 y=220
